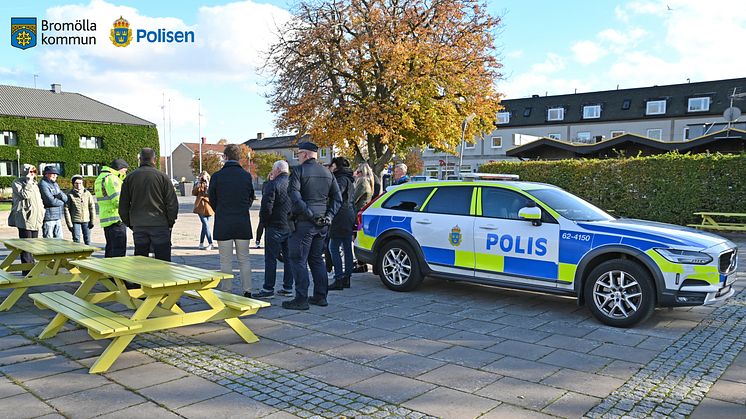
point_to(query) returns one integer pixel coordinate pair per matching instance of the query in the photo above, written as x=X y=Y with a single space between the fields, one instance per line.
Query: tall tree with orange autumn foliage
x=379 y=77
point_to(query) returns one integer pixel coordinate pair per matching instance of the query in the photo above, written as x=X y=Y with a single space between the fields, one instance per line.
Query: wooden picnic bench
x=51 y=257
x=713 y=221
x=155 y=303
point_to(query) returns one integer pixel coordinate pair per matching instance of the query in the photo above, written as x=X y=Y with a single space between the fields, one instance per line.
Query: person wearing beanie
x=54 y=203
x=27 y=211
x=80 y=211
x=107 y=188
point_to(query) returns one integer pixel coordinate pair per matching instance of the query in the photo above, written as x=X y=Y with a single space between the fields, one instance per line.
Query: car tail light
x=360 y=213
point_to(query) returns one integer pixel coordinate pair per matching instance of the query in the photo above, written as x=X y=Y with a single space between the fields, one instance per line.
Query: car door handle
x=425 y=221
x=488 y=227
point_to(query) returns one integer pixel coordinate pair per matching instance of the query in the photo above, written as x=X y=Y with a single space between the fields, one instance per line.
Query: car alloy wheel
x=396 y=266
x=620 y=292
x=617 y=294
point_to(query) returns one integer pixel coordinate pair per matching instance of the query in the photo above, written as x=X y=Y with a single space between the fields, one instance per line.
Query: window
x=431 y=171
x=616 y=133
x=655 y=107
x=408 y=200
x=497 y=142
x=584 y=137
x=469 y=146
x=555 y=114
x=295 y=155
x=591 y=111
x=568 y=205
x=429 y=148
x=454 y=200
x=686 y=133
x=8 y=168
x=49 y=140
x=8 y=138
x=465 y=168
x=555 y=136
x=90 y=142
x=59 y=166
x=90 y=169
x=502 y=203
x=323 y=152
x=699 y=104
x=503 y=117
x=527 y=112
x=655 y=133
x=626 y=104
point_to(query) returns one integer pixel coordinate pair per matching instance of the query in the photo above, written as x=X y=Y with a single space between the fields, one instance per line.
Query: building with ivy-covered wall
x=77 y=134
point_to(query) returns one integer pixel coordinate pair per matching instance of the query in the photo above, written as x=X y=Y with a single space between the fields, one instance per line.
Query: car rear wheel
x=620 y=293
x=398 y=267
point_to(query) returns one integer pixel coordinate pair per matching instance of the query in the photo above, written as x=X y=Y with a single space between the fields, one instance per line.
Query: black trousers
x=27 y=234
x=157 y=238
x=306 y=250
x=116 y=240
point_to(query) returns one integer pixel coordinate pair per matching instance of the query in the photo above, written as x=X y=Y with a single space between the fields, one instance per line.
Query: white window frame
x=704 y=101
x=583 y=140
x=685 y=137
x=9 y=138
x=8 y=168
x=429 y=148
x=95 y=169
x=59 y=165
x=90 y=142
x=48 y=140
x=650 y=130
x=555 y=136
x=655 y=107
x=503 y=117
x=295 y=155
x=432 y=171
x=560 y=114
x=595 y=114
x=492 y=142
x=469 y=146
x=618 y=133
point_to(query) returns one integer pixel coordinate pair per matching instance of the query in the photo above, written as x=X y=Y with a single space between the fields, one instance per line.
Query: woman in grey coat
x=80 y=210
x=27 y=212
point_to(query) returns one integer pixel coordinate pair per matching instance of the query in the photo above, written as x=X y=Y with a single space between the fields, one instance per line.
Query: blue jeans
x=52 y=229
x=81 y=227
x=276 y=241
x=334 y=245
x=205 y=229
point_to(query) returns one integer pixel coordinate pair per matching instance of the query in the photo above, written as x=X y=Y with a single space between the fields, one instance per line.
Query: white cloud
x=515 y=54
x=587 y=52
x=541 y=79
x=552 y=64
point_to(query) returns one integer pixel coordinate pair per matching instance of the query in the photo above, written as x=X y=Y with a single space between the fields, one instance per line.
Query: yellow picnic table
x=713 y=221
x=51 y=256
x=155 y=306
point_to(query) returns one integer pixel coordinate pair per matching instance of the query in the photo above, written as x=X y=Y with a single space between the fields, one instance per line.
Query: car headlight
x=689 y=257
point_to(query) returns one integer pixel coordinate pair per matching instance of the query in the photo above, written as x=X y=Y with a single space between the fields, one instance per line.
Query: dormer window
x=555 y=114
x=591 y=111
x=503 y=117
x=699 y=104
x=655 y=107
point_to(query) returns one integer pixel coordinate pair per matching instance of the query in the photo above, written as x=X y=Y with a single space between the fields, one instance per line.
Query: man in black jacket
x=274 y=214
x=148 y=205
x=315 y=198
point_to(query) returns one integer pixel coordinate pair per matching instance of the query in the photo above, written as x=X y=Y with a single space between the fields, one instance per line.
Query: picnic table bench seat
x=236 y=302
x=711 y=221
x=8 y=280
x=88 y=315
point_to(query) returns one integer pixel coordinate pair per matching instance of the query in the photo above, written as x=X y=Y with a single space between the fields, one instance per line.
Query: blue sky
x=546 y=47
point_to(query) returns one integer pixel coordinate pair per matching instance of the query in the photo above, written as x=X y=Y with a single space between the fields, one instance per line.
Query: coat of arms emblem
x=121 y=34
x=455 y=237
x=23 y=32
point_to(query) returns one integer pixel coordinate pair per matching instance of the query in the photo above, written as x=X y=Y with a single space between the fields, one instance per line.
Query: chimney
x=259 y=135
x=56 y=88
x=204 y=140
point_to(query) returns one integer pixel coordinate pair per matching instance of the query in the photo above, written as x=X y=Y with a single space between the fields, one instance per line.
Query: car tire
x=620 y=293
x=398 y=266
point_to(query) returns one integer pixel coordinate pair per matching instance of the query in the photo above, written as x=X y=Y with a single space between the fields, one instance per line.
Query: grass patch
x=5 y=206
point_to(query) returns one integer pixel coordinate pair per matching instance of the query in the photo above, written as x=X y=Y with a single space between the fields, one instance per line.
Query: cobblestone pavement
x=448 y=350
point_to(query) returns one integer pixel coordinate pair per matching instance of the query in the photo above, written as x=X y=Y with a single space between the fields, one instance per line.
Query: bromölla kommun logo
x=23 y=32
x=121 y=35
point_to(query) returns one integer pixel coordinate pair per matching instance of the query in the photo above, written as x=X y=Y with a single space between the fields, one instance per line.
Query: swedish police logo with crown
x=121 y=34
x=455 y=237
x=23 y=32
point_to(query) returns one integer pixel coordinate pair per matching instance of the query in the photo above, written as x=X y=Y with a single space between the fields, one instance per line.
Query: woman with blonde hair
x=203 y=209
x=364 y=185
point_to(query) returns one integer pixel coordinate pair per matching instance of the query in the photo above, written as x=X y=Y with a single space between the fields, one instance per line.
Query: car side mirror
x=530 y=213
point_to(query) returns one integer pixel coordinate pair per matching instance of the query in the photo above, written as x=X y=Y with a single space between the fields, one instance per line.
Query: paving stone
x=23 y=354
x=427 y=331
x=459 y=378
x=418 y=346
x=391 y=388
x=146 y=410
x=296 y=359
x=283 y=332
x=146 y=375
x=406 y=364
x=319 y=342
x=567 y=328
x=572 y=405
x=570 y=343
x=337 y=327
x=14 y=341
x=66 y=383
x=258 y=349
x=95 y=401
x=655 y=344
x=182 y=392
x=341 y=373
x=375 y=336
x=521 y=368
x=223 y=337
x=231 y=405
x=360 y=352
x=8 y=388
x=615 y=336
x=128 y=359
x=23 y=319
x=625 y=353
x=711 y=408
x=513 y=412
x=585 y=383
x=23 y=405
x=24 y=371
x=523 y=350
x=468 y=357
x=575 y=360
x=520 y=333
x=470 y=339
x=446 y=403
x=390 y=323
x=728 y=391
x=84 y=349
x=521 y=393
x=69 y=337
x=197 y=329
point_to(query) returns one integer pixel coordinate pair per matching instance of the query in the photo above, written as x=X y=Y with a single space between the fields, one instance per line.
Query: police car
x=538 y=237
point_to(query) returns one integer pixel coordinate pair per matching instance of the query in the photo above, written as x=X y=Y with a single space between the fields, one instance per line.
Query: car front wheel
x=620 y=293
x=398 y=266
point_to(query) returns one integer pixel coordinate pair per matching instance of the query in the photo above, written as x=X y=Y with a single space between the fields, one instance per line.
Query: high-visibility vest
x=107 y=187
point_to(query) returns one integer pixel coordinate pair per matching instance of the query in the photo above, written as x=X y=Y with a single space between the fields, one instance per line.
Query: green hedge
x=119 y=141
x=667 y=187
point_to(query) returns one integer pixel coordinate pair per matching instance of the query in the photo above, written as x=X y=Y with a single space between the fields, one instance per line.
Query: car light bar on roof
x=489 y=176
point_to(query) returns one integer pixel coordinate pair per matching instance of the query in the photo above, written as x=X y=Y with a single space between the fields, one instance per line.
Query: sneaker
x=264 y=294
x=201 y=246
x=295 y=305
x=318 y=301
x=209 y=247
x=258 y=246
x=285 y=293
x=247 y=294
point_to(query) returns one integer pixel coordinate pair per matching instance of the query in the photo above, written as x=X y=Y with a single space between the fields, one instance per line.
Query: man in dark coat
x=340 y=232
x=274 y=215
x=315 y=199
x=148 y=205
x=54 y=203
x=231 y=194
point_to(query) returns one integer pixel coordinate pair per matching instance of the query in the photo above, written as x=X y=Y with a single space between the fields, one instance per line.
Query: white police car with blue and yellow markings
x=539 y=237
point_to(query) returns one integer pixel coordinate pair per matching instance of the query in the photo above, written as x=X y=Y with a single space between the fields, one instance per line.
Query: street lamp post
x=463 y=133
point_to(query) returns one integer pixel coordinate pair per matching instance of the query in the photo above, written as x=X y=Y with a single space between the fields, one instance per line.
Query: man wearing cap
x=107 y=187
x=315 y=199
x=54 y=203
x=149 y=206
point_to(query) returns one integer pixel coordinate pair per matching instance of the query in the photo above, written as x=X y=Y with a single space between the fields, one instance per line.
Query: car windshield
x=569 y=205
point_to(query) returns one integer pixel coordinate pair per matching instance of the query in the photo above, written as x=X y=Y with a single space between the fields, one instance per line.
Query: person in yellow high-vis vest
x=108 y=187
